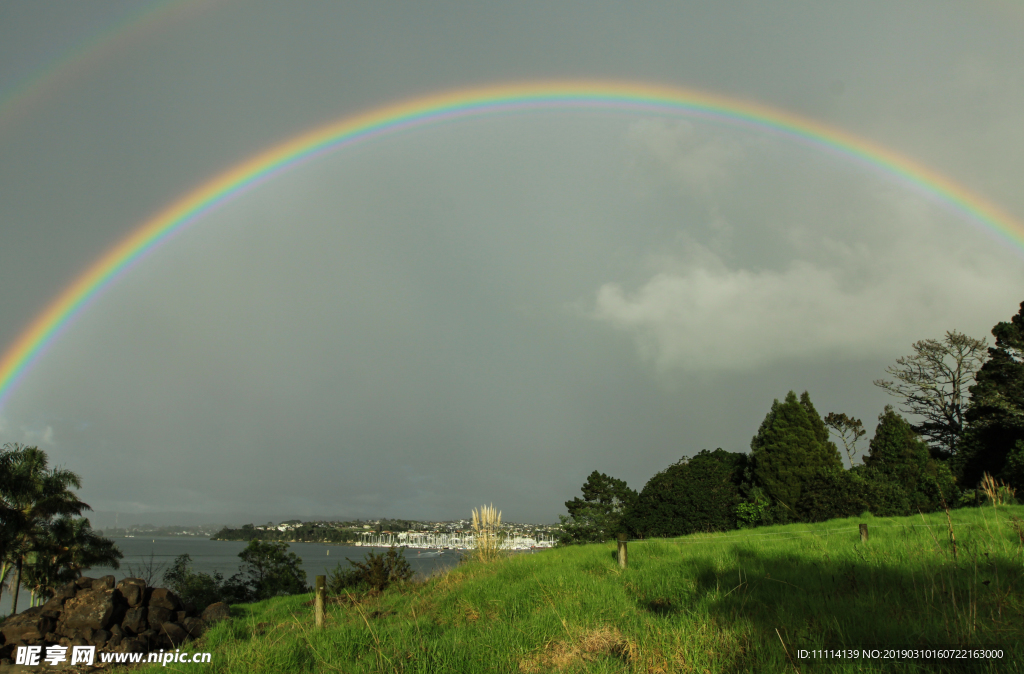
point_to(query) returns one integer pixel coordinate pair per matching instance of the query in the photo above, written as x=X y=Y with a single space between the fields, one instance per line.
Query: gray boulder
x=56 y=602
x=135 y=621
x=148 y=637
x=175 y=632
x=164 y=598
x=138 y=581
x=132 y=645
x=124 y=616
x=158 y=616
x=194 y=627
x=30 y=624
x=116 y=635
x=89 y=609
x=104 y=581
x=132 y=593
x=216 y=612
x=100 y=638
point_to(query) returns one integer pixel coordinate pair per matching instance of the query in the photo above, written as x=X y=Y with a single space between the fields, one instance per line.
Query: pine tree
x=695 y=494
x=820 y=429
x=896 y=454
x=995 y=417
x=790 y=448
x=598 y=515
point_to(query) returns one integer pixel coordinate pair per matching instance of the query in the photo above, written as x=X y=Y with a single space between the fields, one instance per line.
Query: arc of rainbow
x=432 y=109
x=133 y=25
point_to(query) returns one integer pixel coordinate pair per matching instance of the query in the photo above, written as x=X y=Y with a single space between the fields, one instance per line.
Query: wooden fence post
x=622 y=550
x=321 y=595
x=863 y=532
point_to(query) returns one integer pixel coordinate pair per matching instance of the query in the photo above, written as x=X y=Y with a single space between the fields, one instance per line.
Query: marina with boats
x=453 y=541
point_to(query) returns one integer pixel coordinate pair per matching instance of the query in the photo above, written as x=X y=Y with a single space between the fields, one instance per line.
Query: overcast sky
x=484 y=311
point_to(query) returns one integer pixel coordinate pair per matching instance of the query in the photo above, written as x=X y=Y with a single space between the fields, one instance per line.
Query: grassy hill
x=745 y=601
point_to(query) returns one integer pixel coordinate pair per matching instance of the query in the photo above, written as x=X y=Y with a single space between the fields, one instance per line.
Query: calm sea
x=209 y=556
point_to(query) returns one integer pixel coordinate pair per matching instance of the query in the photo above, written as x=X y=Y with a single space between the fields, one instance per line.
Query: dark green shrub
x=696 y=494
x=756 y=511
x=886 y=496
x=376 y=572
x=268 y=570
x=341 y=579
x=201 y=589
x=1013 y=471
x=193 y=587
x=831 y=494
x=970 y=498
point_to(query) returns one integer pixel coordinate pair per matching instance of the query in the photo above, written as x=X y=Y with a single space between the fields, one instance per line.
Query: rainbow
x=491 y=100
x=133 y=26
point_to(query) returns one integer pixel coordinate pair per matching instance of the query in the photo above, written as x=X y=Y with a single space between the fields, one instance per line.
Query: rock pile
x=128 y=617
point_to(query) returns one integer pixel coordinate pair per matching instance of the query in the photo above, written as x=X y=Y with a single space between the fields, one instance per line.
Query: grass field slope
x=743 y=601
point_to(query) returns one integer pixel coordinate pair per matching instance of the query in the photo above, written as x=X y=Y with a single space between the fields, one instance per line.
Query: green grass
x=745 y=601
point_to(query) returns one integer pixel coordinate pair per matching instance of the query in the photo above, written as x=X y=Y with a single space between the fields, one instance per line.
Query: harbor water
x=158 y=553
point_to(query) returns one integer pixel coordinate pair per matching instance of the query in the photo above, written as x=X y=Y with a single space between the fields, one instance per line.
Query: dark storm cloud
x=490 y=310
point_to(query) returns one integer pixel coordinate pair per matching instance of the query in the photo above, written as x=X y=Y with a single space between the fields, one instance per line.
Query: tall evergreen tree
x=696 y=494
x=598 y=515
x=896 y=454
x=820 y=429
x=834 y=493
x=995 y=417
x=790 y=447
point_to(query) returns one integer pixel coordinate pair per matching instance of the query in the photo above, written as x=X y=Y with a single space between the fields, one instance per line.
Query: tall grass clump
x=998 y=492
x=485 y=533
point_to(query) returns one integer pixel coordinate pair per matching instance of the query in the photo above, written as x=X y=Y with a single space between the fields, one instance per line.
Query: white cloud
x=852 y=273
x=702 y=315
x=710 y=317
x=38 y=437
x=28 y=436
x=702 y=164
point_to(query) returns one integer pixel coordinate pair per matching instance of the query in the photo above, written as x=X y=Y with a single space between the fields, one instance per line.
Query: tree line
x=303 y=533
x=267 y=570
x=44 y=543
x=966 y=445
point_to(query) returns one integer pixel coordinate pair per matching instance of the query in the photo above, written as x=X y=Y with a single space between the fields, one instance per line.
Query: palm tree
x=5 y=571
x=40 y=575
x=7 y=519
x=67 y=547
x=32 y=494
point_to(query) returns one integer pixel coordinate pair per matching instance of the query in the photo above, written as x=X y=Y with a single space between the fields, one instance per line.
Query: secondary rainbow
x=491 y=100
x=132 y=26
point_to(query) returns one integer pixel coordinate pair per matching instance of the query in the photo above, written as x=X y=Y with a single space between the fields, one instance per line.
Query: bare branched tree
x=934 y=384
x=848 y=429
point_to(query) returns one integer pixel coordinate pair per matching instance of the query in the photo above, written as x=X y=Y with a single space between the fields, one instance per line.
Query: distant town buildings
x=412 y=533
